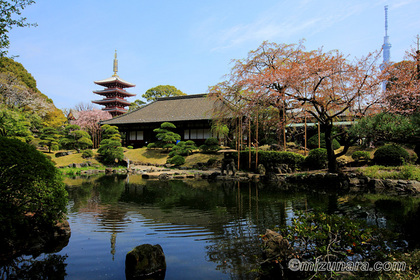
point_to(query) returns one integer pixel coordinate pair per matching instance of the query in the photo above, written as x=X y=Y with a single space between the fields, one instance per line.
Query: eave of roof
x=108 y=100
x=169 y=109
x=112 y=90
x=114 y=79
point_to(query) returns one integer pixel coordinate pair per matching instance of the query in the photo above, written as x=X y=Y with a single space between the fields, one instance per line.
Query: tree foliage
x=89 y=120
x=75 y=138
x=50 y=137
x=31 y=189
x=324 y=85
x=8 y=11
x=110 y=149
x=391 y=155
x=183 y=148
x=14 y=125
x=386 y=127
x=18 y=92
x=402 y=93
x=136 y=105
x=161 y=91
x=9 y=66
x=166 y=136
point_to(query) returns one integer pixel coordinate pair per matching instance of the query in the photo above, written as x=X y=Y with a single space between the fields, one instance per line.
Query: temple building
x=114 y=93
x=191 y=114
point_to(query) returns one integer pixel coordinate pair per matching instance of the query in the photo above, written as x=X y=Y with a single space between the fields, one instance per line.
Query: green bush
x=391 y=155
x=361 y=155
x=130 y=147
x=29 y=184
x=317 y=159
x=269 y=158
x=176 y=160
x=87 y=154
x=183 y=148
x=211 y=145
x=313 y=142
x=110 y=148
x=151 y=146
x=111 y=151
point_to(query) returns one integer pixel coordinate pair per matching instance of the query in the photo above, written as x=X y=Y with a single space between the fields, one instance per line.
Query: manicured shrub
x=151 y=146
x=391 y=155
x=110 y=148
x=317 y=159
x=176 y=160
x=211 y=145
x=361 y=155
x=130 y=147
x=183 y=148
x=87 y=154
x=32 y=193
x=313 y=142
x=271 y=158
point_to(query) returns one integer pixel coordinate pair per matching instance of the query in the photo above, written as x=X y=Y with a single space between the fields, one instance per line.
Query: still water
x=208 y=230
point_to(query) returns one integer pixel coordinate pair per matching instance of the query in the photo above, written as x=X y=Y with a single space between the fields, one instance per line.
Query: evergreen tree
x=166 y=136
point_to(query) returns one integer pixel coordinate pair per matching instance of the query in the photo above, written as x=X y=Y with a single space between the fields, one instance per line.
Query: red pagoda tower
x=114 y=93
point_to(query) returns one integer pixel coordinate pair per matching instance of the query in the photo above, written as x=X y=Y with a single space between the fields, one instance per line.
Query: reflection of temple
x=114 y=93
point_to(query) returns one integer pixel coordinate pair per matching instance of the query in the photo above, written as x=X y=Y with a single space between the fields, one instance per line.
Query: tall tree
x=161 y=91
x=8 y=11
x=75 y=138
x=402 y=95
x=136 y=105
x=110 y=148
x=288 y=77
x=49 y=137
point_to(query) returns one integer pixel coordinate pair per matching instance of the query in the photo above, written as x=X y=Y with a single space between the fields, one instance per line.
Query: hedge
x=270 y=158
x=391 y=155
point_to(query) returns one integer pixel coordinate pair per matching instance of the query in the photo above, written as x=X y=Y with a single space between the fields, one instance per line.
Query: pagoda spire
x=115 y=65
x=114 y=93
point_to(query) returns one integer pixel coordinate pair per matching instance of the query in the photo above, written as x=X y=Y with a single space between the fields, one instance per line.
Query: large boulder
x=145 y=261
x=276 y=246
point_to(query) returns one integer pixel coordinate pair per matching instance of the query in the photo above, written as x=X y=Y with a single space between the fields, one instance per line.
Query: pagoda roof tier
x=110 y=100
x=115 y=110
x=107 y=91
x=114 y=80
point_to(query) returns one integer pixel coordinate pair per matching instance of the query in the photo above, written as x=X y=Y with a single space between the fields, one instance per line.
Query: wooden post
x=256 y=142
x=319 y=135
x=306 y=134
x=249 y=142
x=284 y=126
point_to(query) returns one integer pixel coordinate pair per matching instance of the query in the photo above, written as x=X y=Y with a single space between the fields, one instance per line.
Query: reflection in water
x=50 y=267
x=207 y=230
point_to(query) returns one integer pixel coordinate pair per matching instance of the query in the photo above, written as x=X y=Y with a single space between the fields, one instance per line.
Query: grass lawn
x=146 y=156
x=73 y=158
x=198 y=157
x=404 y=172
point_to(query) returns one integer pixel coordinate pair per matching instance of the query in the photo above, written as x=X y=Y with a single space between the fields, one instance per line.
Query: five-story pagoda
x=114 y=92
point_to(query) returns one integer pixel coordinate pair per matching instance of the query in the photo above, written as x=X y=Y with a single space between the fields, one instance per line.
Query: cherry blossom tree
x=287 y=77
x=402 y=94
x=90 y=122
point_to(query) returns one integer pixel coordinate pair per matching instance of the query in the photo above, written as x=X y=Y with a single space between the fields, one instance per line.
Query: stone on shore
x=144 y=262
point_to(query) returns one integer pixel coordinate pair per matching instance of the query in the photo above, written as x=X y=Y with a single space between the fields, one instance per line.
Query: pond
x=208 y=230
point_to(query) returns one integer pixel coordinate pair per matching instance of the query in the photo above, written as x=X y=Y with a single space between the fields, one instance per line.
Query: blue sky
x=190 y=44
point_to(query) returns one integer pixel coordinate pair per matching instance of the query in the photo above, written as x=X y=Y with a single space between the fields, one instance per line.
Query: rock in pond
x=145 y=262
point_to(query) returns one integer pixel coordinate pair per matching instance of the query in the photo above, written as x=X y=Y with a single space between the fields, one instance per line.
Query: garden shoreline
x=346 y=181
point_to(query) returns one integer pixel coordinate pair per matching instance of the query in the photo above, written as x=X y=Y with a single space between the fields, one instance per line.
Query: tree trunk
x=332 y=160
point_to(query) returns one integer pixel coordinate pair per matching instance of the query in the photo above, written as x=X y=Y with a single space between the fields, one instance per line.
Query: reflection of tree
x=238 y=251
x=51 y=267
